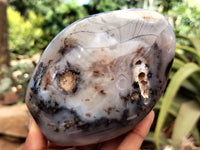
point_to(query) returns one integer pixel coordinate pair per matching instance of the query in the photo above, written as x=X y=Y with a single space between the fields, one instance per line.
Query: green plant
x=182 y=96
x=186 y=17
x=24 y=34
x=39 y=21
x=36 y=23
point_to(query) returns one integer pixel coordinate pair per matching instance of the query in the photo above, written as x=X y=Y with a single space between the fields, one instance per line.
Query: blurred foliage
x=16 y=78
x=97 y=6
x=167 y=4
x=186 y=18
x=38 y=22
x=33 y=24
x=57 y=18
x=24 y=34
x=23 y=6
x=180 y=106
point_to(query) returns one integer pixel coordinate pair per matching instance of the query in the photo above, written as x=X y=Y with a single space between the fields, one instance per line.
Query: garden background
x=26 y=28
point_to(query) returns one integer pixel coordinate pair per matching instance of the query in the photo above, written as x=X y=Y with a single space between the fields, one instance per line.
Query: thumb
x=35 y=139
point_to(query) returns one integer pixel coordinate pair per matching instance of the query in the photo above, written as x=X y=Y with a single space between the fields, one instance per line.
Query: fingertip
x=150 y=116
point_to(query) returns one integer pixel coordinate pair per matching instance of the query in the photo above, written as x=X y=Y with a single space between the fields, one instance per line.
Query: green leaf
x=190 y=50
x=180 y=55
x=171 y=91
x=187 y=118
x=189 y=86
x=150 y=137
x=195 y=42
x=196 y=135
x=173 y=110
x=177 y=63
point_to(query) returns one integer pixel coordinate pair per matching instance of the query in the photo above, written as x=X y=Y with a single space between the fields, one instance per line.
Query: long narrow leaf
x=180 y=55
x=172 y=89
x=187 y=117
x=196 y=135
x=195 y=42
x=188 y=85
x=150 y=137
x=190 y=50
x=177 y=63
x=173 y=110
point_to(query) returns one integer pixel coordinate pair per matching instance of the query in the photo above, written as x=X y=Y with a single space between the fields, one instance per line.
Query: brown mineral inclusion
x=67 y=81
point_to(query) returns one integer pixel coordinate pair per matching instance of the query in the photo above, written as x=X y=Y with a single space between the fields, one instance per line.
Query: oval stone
x=101 y=76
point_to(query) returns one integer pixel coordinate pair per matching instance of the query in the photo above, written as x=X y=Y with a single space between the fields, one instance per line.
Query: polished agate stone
x=101 y=76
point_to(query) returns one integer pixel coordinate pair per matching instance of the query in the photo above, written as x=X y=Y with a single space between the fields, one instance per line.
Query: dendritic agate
x=101 y=76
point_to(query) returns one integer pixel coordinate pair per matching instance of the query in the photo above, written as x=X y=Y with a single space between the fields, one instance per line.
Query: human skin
x=130 y=141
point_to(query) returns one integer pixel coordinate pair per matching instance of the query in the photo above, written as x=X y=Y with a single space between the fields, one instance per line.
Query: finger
x=35 y=139
x=112 y=144
x=134 y=139
x=52 y=146
x=87 y=147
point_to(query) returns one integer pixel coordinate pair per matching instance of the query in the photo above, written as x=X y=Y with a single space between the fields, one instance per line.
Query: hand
x=131 y=141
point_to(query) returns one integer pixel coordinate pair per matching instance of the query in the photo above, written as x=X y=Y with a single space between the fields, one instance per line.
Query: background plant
x=33 y=24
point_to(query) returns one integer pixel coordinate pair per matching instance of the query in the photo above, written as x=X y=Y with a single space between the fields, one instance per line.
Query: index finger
x=134 y=139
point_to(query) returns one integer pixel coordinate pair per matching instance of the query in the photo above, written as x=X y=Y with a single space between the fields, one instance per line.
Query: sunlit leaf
x=191 y=51
x=186 y=119
x=177 y=63
x=195 y=42
x=172 y=89
x=180 y=55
